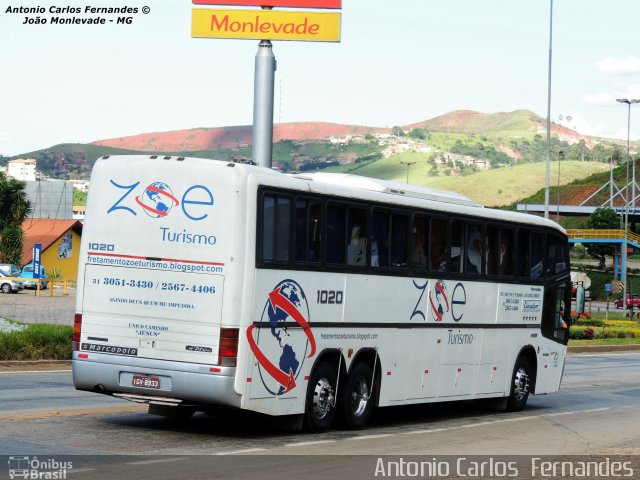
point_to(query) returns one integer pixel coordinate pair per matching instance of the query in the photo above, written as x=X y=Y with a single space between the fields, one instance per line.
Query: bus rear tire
x=520 y=385
x=320 y=405
x=356 y=397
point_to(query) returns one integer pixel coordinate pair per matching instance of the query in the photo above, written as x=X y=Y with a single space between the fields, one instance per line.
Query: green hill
x=494 y=187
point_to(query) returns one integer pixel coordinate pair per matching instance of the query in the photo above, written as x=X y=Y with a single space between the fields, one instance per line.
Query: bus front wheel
x=520 y=385
x=320 y=407
x=356 y=397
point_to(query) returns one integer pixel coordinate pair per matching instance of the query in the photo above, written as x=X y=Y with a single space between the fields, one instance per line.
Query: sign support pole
x=263 y=92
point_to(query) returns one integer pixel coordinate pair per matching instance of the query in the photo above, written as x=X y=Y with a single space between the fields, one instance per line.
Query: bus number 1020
x=330 y=296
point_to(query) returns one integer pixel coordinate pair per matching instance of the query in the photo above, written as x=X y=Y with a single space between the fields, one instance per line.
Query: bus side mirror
x=580 y=295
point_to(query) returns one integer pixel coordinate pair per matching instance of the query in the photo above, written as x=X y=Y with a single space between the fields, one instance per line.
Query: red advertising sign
x=275 y=3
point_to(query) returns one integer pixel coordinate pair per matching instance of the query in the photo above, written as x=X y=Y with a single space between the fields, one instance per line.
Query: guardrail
x=50 y=284
x=612 y=234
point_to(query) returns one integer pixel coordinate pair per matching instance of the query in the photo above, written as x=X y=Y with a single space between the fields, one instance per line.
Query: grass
x=40 y=341
x=495 y=187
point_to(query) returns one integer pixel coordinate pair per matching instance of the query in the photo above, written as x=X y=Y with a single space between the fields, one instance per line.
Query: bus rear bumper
x=176 y=383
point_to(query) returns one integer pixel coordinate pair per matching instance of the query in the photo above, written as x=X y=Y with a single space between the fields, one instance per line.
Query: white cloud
x=624 y=66
x=632 y=91
x=599 y=99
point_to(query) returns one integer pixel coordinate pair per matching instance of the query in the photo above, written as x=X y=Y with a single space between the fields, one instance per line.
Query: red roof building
x=60 y=240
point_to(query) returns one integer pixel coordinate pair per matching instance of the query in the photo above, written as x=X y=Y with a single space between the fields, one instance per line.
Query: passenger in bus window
x=506 y=253
x=357 y=248
x=380 y=240
x=474 y=251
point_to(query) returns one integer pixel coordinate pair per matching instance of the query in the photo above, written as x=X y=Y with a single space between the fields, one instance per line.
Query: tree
x=602 y=218
x=397 y=131
x=14 y=209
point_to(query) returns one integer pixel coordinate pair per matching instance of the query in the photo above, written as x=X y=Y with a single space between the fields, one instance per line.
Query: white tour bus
x=208 y=283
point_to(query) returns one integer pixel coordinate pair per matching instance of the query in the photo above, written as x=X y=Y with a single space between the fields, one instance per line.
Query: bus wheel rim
x=323 y=398
x=359 y=397
x=521 y=384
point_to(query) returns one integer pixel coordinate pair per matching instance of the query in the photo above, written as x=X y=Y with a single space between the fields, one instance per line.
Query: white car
x=8 y=285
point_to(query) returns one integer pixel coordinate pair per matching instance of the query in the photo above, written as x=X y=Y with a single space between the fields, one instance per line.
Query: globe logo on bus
x=283 y=339
x=157 y=200
x=439 y=300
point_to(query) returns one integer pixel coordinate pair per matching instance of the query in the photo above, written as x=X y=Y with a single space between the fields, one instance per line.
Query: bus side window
x=314 y=232
x=335 y=245
x=523 y=253
x=357 y=237
x=283 y=224
x=505 y=264
x=268 y=226
x=457 y=246
x=556 y=262
x=399 y=240
x=537 y=246
x=380 y=240
x=300 y=230
x=474 y=250
x=492 y=249
x=276 y=221
x=419 y=255
x=438 y=245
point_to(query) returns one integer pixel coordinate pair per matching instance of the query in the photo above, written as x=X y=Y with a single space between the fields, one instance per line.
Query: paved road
x=26 y=307
x=594 y=413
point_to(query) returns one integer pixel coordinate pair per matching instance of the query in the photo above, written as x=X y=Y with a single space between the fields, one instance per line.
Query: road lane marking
x=72 y=412
x=80 y=470
x=433 y=430
x=370 y=437
x=239 y=452
x=500 y=420
x=157 y=460
x=304 y=444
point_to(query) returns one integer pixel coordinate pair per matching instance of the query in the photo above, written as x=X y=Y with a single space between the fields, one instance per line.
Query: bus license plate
x=146 y=382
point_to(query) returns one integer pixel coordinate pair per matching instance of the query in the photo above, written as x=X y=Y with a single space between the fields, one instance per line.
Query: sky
x=398 y=62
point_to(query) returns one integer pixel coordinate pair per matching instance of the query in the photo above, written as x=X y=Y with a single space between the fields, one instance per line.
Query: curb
x=34 y=363
x=603 y=348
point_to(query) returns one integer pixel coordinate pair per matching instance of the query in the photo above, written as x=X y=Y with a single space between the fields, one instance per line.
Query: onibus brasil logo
x=280 y=354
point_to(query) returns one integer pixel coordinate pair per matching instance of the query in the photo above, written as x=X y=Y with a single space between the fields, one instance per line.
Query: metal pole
x=548 y=168
x=611 y=181
x=408 y=164
x=263 y=89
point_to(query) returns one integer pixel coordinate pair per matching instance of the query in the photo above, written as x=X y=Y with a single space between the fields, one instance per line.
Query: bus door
x=556 y=314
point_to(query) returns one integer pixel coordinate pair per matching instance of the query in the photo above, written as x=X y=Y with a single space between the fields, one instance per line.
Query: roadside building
x=60 y=240
x=22 y=169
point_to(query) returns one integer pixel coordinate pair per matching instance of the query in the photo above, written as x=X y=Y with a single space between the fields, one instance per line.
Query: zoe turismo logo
x=276 y=341
x=157 y=200
x=441 y=303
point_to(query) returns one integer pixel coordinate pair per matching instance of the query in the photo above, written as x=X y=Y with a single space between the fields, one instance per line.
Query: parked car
x=8 y=285
x=10 y=270
x=27 y=273
x=632 y=300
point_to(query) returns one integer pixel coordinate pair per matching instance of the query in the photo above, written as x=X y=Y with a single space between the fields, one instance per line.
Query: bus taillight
x=77 y=330
x=228 y=349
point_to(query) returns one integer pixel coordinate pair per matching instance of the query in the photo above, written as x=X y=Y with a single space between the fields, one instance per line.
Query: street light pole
x=626 y=223
x=548 y=166
x=408 y=164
